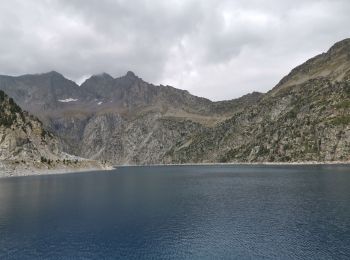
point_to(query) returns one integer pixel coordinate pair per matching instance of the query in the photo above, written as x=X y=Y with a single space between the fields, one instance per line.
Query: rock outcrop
x=26 y=146
x=22 y=137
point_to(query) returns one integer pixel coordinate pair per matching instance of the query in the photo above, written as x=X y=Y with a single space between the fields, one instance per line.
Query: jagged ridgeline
x=126 y=120
x=122 y=120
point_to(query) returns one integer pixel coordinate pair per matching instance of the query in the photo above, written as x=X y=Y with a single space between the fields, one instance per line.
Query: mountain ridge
x=126 y=120
x=305 y=117
x=65 y=105
x=336 y=56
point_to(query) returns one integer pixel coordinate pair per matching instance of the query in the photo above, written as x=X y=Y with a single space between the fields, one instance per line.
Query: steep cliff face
x=145 y=139
x=306 y=117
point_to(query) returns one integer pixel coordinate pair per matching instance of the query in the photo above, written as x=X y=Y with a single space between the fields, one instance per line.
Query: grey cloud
x=219 y=49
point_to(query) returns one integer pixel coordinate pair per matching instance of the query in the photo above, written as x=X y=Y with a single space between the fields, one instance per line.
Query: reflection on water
x=179 y=212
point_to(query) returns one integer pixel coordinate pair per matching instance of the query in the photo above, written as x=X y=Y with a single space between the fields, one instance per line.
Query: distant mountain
x=123 y=120
x=126 y=120
x=306 y=117
x=39 y=92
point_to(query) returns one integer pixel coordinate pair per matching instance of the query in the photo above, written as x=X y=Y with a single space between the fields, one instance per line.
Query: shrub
x=341 y=120
x=2 y=95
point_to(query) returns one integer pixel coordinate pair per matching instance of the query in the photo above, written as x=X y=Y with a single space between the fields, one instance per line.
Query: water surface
x=177 y=212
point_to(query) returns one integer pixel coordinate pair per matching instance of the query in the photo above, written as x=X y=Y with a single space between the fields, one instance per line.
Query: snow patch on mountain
x=67 y=100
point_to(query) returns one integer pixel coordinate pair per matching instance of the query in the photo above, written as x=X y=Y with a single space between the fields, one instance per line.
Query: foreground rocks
x=23 y=168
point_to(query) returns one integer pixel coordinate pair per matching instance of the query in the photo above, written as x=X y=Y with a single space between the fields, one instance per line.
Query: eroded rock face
x=144 y=140
x=306 y=117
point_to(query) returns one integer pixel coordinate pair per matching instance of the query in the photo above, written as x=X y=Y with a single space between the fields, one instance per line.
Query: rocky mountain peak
x=342 y=46
x=131 y=74
x=102 y=75
x=52 y=74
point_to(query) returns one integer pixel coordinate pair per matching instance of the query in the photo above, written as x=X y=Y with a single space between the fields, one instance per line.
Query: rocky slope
x=306 y=117
x=23 y=136
x=25 y=145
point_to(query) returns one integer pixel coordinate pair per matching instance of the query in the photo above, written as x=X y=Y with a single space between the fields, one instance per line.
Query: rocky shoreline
x=30 y=171
x=13 y=169
x=244 y=163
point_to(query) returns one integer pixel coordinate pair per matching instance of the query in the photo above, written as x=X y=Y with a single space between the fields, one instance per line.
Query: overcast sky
x=216 y=49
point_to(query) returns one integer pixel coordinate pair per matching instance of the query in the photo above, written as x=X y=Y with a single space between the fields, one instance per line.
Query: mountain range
x=125 y=120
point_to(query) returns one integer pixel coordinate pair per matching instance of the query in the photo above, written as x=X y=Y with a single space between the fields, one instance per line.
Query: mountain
x=25 y=145
x=22 y=136
x=306 y=117
x=39 y=92
x=333 y=65
x=126 y=120
x=123 y=120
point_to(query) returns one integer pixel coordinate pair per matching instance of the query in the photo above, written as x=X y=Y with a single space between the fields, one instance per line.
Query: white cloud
x=219 y=49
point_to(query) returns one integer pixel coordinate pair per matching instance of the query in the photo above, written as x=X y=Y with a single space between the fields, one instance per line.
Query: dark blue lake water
x=217 y=212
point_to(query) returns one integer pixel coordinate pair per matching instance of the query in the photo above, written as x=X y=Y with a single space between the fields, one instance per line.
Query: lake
x=179 y=212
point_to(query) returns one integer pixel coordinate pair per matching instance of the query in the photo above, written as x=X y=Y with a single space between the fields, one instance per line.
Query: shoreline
x=41 y=172
x=240 y=163
x=68 y=170
x=9 y=169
